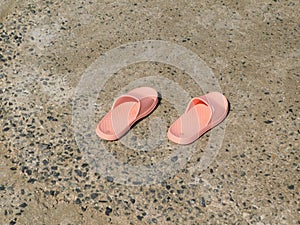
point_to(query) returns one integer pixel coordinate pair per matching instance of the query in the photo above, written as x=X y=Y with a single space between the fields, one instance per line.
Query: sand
x=53 y=57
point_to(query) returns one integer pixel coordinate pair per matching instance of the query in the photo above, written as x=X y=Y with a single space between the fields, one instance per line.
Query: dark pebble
x=132 y=200
x=31 y=180
x=51 y=118
x=109 y=179
x=108 y=211
x=80 y=195
x=78 y=201
x=291 y=187
x=268 y=121
x=23 y=205
x=174 y=159
x=140 y=217
x=84 y=165
x=53 y=167
x=137 y=182
x=180 y=191
x=2 y=188
x=6 y=129
x=202 y=202
x=94 y=195
x=78 y=172
x=87 y=186
x=29 y=172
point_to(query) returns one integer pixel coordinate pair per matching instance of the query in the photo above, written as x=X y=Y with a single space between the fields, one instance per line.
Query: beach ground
x=47 y=177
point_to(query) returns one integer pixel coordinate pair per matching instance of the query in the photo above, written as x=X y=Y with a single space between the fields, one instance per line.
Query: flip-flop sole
x=119 y=120
x=199 y=119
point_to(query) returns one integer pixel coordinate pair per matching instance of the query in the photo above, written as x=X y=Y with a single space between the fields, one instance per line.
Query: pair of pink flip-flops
x=202 y=114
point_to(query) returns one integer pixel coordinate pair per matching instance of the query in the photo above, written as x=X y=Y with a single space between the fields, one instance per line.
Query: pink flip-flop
x=202 y=114
x=126 y=110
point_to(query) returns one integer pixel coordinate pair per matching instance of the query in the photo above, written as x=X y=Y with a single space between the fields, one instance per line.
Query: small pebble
x=202 y=202
x=109 y=179
x=94 y=195
x=23 y=205
x=108 y=211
